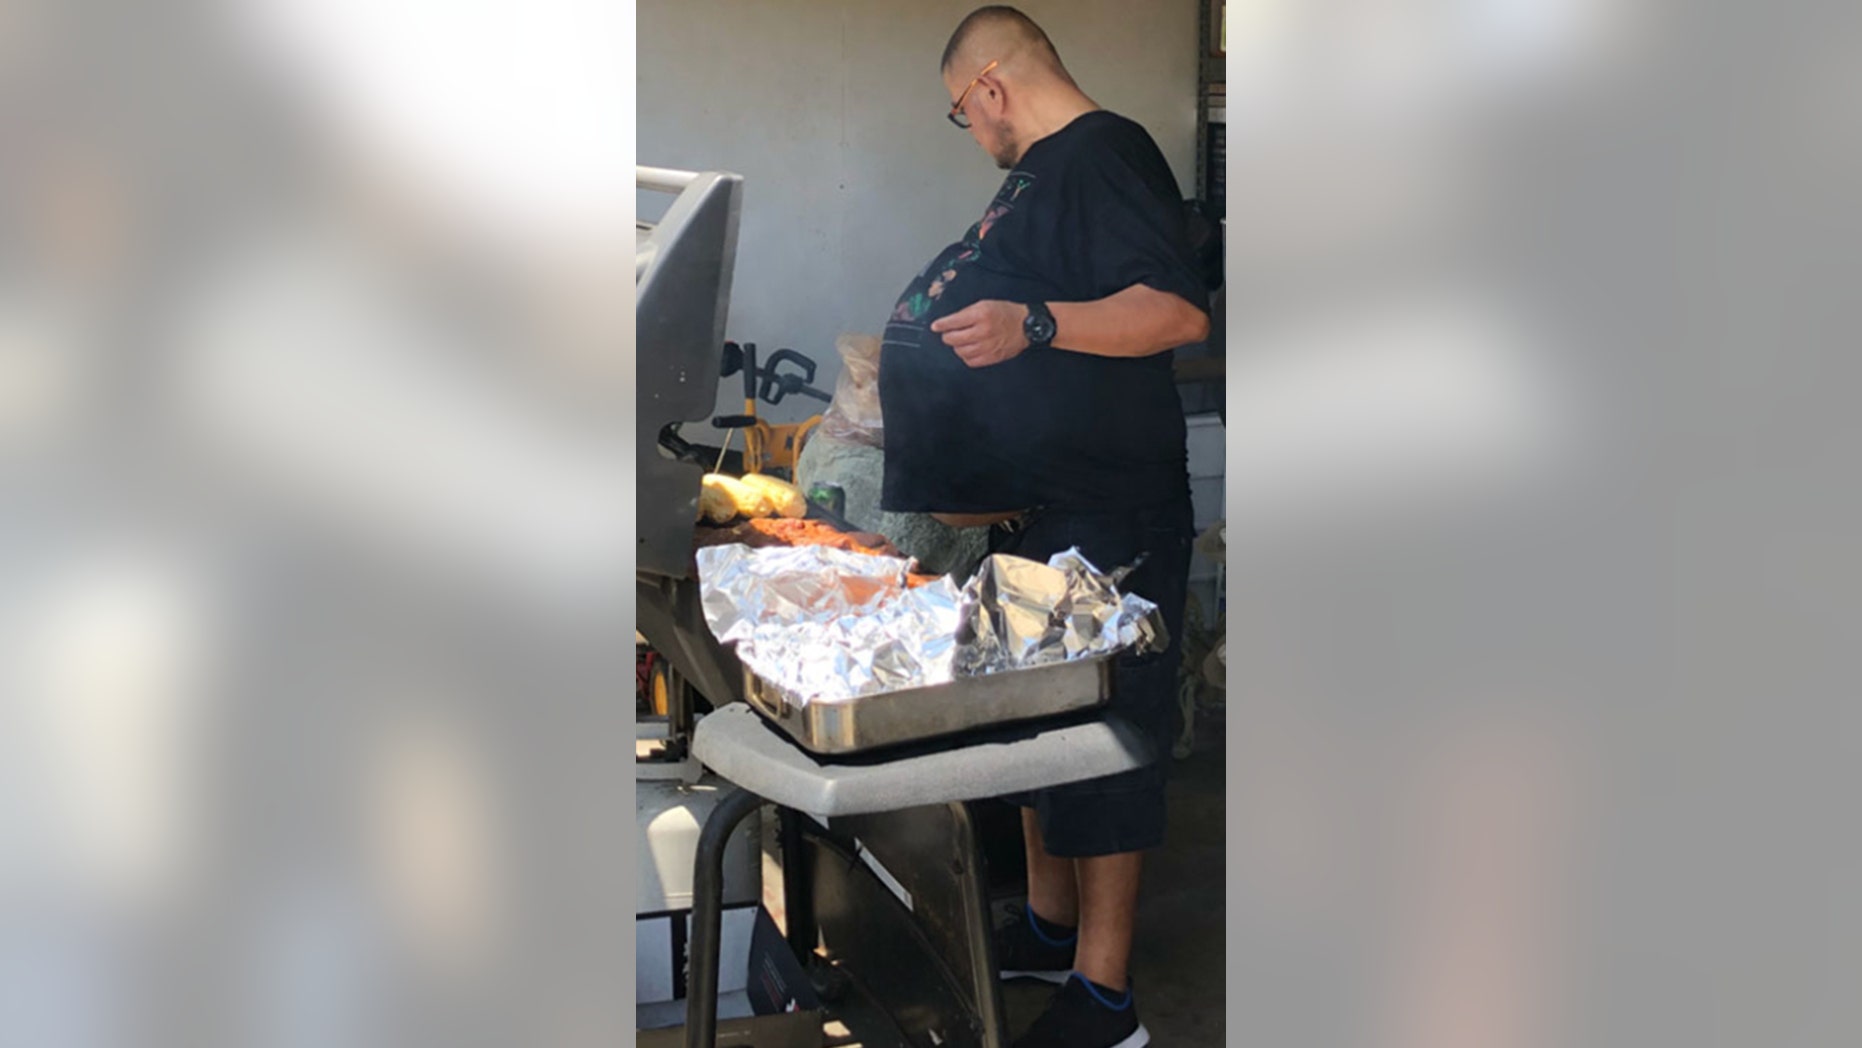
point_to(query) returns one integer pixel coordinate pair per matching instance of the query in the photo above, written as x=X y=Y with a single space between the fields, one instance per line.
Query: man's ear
x=993 y=90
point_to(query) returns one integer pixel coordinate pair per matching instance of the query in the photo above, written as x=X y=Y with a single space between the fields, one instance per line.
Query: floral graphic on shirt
x=910 y=308
x=989 y=220
x=944 y=270
x=944 y=278
x=916 y=303
x=1012 y=188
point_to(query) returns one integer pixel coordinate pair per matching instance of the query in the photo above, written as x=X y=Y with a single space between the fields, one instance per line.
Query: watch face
x=1040 y=327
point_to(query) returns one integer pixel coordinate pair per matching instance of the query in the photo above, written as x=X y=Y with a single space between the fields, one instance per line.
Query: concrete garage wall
x=833 y=112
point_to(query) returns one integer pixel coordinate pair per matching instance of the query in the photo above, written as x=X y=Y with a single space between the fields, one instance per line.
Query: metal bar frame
x=701 y=995
x=798 y=899
x=663 y=179
x=983 y=965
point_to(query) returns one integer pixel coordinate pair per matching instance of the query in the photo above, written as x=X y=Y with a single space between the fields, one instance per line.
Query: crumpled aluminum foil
x=1020 y=614
x=828 y=625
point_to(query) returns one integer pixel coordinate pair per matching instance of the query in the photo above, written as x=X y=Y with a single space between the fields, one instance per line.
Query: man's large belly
x=975 y=520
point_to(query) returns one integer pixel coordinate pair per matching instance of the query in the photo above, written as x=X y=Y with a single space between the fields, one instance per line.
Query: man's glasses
x=956 y=114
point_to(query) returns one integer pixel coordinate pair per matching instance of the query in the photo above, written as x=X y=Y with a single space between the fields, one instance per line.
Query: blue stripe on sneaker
x=1097 y=996
x=1035 y=926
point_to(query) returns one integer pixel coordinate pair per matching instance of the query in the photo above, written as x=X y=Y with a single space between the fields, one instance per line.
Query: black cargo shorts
x=1123 y=812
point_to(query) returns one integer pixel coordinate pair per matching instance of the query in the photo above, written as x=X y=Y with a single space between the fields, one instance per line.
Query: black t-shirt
x=1088 y=211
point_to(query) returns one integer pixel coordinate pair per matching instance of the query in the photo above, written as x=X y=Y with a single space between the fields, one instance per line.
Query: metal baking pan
x=916 y=714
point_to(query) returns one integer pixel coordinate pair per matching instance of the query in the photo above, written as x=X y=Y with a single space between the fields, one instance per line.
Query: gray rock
x=857 y=469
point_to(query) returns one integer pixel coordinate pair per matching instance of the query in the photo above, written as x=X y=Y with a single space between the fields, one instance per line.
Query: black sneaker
x=1081 y=1016
x=1024 y=951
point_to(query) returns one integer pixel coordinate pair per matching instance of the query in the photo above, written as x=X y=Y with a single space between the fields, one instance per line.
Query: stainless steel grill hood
x=682 y=287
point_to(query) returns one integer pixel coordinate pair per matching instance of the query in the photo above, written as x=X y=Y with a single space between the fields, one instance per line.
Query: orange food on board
x=791 y=531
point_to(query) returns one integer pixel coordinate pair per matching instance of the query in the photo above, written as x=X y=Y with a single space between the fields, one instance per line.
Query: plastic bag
x=853 y=415
x=1213 y=542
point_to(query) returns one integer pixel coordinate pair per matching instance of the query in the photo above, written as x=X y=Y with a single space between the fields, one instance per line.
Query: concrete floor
x=1178 y=959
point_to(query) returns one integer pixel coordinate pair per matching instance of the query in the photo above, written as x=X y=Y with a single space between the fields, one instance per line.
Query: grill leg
x=701 y=999
x=990 y=1014
x=798 y=897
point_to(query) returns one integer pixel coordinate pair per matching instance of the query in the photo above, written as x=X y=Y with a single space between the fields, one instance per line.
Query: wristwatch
x=1038 y=325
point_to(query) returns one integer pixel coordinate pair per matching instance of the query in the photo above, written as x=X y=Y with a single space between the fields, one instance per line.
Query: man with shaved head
x=1027 y=386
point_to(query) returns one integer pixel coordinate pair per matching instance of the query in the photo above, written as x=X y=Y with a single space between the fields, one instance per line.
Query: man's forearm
x=1136 y=322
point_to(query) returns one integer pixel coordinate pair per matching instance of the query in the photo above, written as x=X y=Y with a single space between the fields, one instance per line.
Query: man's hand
x=986 y=333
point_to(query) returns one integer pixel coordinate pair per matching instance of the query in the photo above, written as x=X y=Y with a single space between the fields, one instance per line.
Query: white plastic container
x=1208 y=464
x=669 y=817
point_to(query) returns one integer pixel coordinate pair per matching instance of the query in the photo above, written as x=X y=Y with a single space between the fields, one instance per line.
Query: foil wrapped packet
x=1019 y=614
x=829 y=625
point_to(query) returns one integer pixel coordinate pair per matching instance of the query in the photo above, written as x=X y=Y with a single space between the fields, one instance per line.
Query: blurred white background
x=314 y=515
